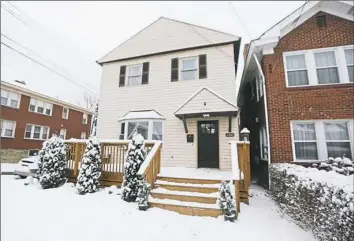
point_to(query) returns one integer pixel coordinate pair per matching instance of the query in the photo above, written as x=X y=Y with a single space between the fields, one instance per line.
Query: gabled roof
x=205 y=101
x=165 y=35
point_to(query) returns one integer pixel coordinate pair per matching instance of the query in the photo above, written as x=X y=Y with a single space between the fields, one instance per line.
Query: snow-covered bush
x=143 y=194
x=136 y=156
x=225 y=200
x=343 y=166
x=90 y=171
x=318 y=200
x=52 y=163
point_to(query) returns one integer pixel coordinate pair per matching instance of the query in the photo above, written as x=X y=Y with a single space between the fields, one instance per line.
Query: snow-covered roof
x=144 y=114
x=164 y=35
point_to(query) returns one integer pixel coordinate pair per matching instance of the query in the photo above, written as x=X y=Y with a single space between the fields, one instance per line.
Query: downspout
x=266 y=113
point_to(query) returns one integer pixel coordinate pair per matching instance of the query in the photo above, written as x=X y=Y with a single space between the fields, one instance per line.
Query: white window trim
x=9 y=100
x=127 y=74
x=64 y=136
x=86 y=119
x=32 y=132
x=62 y=114
x=150 y=127
x=36 y=105
x=82 y=135
x=263 y=135
x=320 y=137
x=181 y=65
x=13 y=130
x=347 y=65
x=259 y=88
x=311 y=65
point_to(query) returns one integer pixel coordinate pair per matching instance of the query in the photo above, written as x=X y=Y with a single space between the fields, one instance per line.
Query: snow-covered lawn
x=8 y=167
x=30 y=213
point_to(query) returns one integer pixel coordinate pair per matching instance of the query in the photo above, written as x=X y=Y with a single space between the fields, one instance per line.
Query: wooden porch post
x=76 y=159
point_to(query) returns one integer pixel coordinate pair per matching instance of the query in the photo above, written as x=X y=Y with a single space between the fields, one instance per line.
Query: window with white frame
x=296 y=70
x=189 y=68
x=263 y=143
x=134 y=75
x=83 y=135
x=259 y=87
x=149 y=129
x=36 y=132
x=9 y=98
x=8 y=128
x=41 y=107
x=84 y=118
x=349 y=55
x=62 y=133
x=65 y=113
x=320 y=139
x=324 y=66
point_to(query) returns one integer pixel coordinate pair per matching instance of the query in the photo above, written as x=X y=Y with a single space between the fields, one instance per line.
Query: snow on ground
x=8 y=167
x=30 y=213
x=201 y=173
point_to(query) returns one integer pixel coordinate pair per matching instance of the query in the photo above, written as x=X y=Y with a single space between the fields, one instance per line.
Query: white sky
x=70 y=36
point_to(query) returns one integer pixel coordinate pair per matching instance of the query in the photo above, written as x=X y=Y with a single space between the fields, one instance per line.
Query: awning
x=206 y=103
x=143 y=114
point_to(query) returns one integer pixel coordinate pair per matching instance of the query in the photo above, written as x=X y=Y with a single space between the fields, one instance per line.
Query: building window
x=84 y=118
x=10 y=99
x=149 y=129
x=36 y=132
x=62 y=133
x=263 y=143
x=65 y=113
x=318 y=140
x=40 y=107
x=189 y=68
x=349 y=55
x=8 y=128
x=122 y=131
x=83 y=135
x=259 y=87
x=326 y=67
x=135 y=73
x=296 y=70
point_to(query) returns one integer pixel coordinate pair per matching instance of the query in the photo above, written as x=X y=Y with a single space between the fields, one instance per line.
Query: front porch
x=189 y=191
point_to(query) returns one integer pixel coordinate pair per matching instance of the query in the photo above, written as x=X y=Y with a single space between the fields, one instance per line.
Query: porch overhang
x=207 y=114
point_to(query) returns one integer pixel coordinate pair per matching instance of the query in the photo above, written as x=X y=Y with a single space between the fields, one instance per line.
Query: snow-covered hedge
x=343 y=166
x=318 y=200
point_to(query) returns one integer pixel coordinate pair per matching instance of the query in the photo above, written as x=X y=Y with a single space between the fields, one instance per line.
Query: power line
x=48 y=68
x=7 y=9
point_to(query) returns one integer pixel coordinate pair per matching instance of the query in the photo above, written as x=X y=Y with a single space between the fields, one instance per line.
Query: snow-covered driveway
x=29 y=213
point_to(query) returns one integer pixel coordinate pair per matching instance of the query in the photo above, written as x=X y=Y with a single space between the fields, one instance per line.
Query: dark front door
x=208 y=144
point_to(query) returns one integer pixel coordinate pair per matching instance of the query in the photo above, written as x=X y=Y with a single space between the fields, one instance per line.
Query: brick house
x=28 y=118
x=296 y=95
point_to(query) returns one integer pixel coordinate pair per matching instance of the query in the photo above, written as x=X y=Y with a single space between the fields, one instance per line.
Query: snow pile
x=340 y=165
x=52 y=163
x=88 y=178
x=318 y=200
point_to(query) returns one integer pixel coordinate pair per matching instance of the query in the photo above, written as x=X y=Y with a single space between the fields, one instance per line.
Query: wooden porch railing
x=152 y=164
x=240 y=157
x=113 y=155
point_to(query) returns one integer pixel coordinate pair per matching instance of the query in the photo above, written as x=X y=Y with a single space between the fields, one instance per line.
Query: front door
x=208 y=144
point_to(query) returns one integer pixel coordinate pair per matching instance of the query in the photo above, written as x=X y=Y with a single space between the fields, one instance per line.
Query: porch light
x=245 y=134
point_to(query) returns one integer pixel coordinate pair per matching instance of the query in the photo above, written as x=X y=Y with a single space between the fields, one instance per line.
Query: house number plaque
x=230 y=134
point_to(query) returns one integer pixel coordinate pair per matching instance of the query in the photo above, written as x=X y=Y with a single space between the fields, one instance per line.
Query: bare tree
x=89 y=101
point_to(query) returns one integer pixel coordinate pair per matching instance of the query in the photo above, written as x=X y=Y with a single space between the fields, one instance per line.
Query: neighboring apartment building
x=297 y=92
x=28 y=118
x=174 y=82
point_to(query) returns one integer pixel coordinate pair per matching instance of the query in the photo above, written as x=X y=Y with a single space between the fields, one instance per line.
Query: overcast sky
x=70 y=36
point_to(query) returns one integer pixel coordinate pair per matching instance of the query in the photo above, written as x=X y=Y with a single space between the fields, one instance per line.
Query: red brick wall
x=315 y=102
x=22 y=116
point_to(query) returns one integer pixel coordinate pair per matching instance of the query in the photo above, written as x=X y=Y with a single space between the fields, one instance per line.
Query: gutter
x=266 y=113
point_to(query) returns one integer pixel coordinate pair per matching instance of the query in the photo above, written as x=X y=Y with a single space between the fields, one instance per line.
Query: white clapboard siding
x=165 y=35
x=166 y=97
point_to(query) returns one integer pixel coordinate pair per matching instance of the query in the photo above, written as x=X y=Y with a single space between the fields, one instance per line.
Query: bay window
x=320 y=139
x=324 y=66
x=36 y=132
x=149 y=129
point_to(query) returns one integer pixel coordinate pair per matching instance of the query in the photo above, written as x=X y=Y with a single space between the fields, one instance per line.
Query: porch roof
x=206 y=102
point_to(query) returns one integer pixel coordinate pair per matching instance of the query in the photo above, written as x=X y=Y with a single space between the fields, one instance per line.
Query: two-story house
x=28 y=118
x=174 y=82
x=296 y=95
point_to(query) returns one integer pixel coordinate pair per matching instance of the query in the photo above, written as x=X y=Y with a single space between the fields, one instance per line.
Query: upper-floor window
x=8 y=128
x=319 y=66
x=84 y=118
x=9 y=98
x=189 y=68
x=36 y=132
x=65 y=113
x=40 y=107
x=134 y=75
